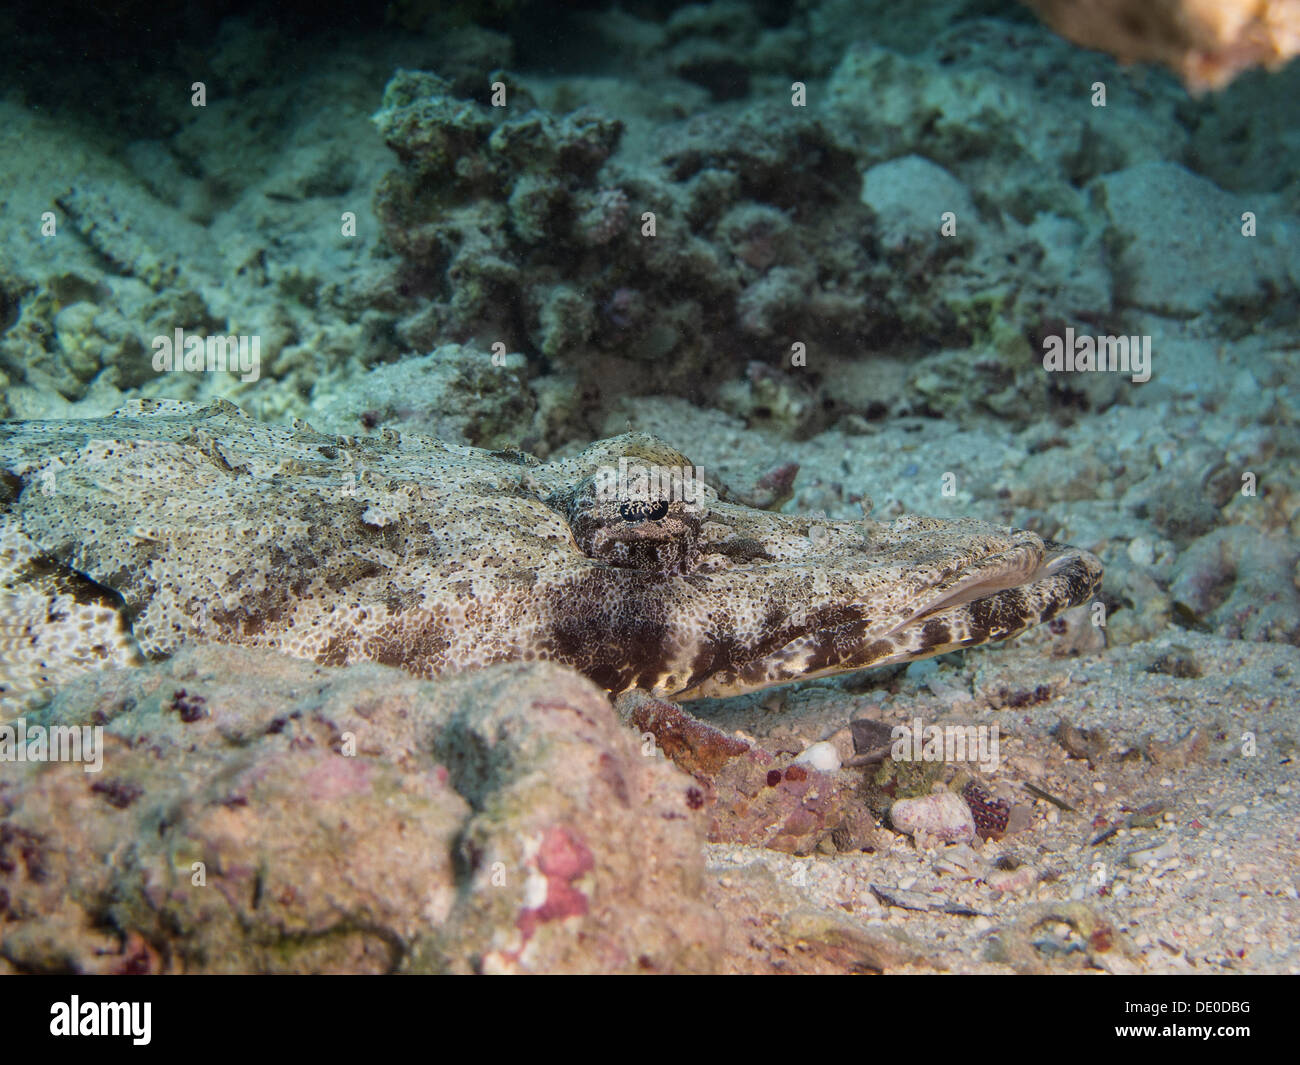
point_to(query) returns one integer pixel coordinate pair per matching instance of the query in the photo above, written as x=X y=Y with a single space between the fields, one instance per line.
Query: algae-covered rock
x=1239 y=580
x=257 y=814
x=1181 y=246
x=911 y=195
x=457 y=393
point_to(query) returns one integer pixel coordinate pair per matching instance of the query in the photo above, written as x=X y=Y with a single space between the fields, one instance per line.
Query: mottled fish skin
x=126 y=536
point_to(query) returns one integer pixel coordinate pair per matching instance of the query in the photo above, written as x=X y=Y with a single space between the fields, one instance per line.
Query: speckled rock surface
x=1181 y=249
x=348 y=821
x=456 y=393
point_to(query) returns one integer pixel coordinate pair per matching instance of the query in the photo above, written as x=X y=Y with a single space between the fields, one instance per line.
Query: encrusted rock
x=349 y=820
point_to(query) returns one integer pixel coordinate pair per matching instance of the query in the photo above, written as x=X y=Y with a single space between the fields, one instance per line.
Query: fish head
x=707 y=598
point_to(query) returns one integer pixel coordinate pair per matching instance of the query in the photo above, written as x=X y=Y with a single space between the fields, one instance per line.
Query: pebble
x=1029 y=766
x=1237 y=810
x=959 y=861
x=820 y=756
x=1141 y=552
x=942 y=816
x=1018 y=879
x=949 y=693
x=1150 y=855
x=1020 y=818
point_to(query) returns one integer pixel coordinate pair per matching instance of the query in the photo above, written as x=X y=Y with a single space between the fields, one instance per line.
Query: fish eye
x=643 y=511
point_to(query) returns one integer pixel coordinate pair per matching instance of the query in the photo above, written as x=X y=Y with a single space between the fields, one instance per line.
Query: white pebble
x=820 y=756
x=1150 y=855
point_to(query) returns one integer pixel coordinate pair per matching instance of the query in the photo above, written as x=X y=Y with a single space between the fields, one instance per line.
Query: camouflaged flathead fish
x=126 y=536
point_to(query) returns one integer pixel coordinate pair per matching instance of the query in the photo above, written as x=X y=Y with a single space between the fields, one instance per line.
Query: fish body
x=123 y=537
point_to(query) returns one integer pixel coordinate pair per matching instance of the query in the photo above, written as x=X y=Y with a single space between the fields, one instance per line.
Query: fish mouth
x=998 y=597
